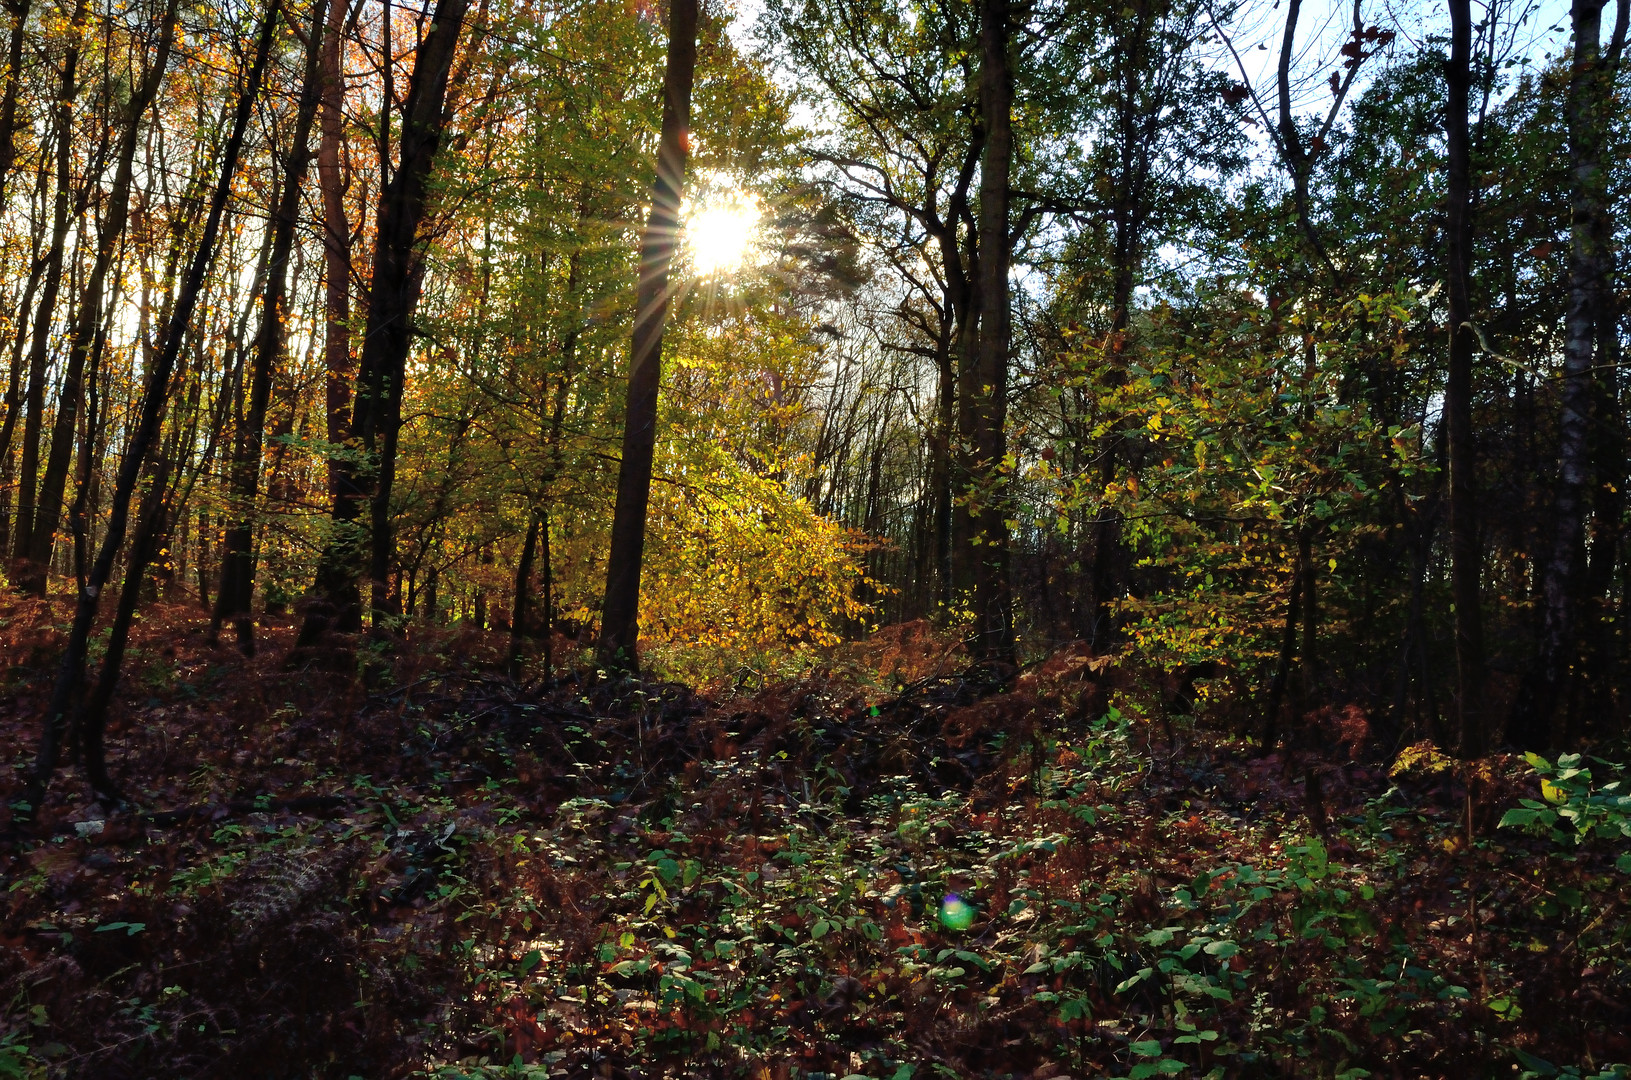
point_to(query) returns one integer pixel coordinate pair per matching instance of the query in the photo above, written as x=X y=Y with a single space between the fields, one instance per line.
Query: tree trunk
x=548 y=597
x=71 y=671
x=393 y=295
x=8 y=103
x=40 y=346
x=1530 y=726
x=523 y=582
x=1465 y=556
x=619 y=629
x=336 y=247
x=14 y=400
x=398 y=273
x=993 y=618
x=1282 y=669
x=1603 y=645
x=237 y=589
x=88 y=317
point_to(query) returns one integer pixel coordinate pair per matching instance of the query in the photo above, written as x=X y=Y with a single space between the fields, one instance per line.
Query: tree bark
x=336 y=248
x=14 y=386
x=523 y=582
x=1465 y=555
x=40 y=345
x=88 y=317
x=1587 y=102
x=1603 y=646
x=8 y=103
x=236 y=593
x=394 y=293
x=619 y=628
x=71 y=670
x=1282 y=669
x=993 y=600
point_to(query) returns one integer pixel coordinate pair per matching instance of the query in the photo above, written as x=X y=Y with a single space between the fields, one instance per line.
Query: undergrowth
x=411 y=864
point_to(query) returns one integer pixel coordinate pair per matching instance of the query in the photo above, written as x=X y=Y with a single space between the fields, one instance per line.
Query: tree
x=394 y=288
x=993 y=630
x=155 y=395
x=619 y=628
x=1466 y=556
x=236 y=593
x=1587 y=347
x=88 y=319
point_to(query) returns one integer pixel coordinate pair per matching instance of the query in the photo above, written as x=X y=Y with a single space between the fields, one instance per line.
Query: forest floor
x=393 y=859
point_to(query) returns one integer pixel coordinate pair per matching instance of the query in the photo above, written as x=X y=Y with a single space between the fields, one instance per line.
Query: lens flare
x=956 y=913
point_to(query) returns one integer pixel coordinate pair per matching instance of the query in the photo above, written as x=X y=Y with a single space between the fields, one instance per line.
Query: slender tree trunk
x=619 y=630
x=336 y=248
x=523 y=582
x=940 y=470
x=236 y=593
x=150 y=517
x=993 y=598
x=398 y=272
x=549 y=595
x=88 y=317
x=90 y=449
x=393 y=295
x=1603 y=625
x=71 y=671
x=965 y=458
x=14 y=400
x=45 y=312
x=1531 y=724
x=1465 y=556
x=8 y=102
x=1282 y=669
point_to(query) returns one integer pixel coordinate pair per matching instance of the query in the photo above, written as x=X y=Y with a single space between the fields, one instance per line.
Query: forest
x=814 y=539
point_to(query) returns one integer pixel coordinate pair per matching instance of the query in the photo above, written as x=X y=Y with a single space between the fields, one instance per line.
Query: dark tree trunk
x=619 y=628
x=393 y=295
x=236 y=594
x=71 y=671
x=523 y=582
x=1603 y=627
x=1282 y=668
x=88 y=317
x=993 y=625
x=8 y=103
x=1531 y=724
x=548 y=597
x=40 y=345
x=336 y=248
x=14 y=387
x=1465 y=555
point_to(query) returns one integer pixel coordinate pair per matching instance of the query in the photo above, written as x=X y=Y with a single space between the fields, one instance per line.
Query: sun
x=719 y=233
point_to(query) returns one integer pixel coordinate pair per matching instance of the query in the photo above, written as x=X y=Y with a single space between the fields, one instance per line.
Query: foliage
x=626 y=873
x=1574 y=811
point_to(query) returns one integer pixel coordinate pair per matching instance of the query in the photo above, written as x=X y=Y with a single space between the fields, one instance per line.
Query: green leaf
x=820 y=929
x=531 y=960
x=1536 y=1066
x=1134 y=980
x=1517 y=817
x=1146 y=1048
